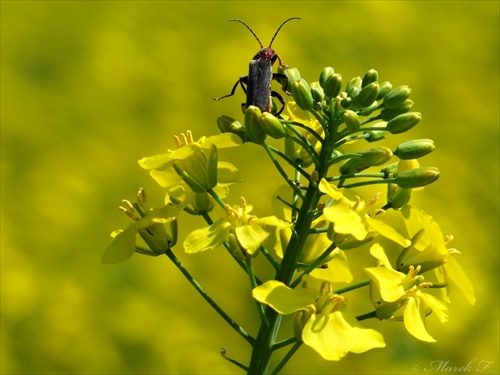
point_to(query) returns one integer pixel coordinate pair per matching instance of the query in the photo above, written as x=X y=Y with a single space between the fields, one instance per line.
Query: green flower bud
x=414 y=149
x=368 y=95
x=346 y=102
x=417 y=177
x=385 y=87
x=325 y=75
x=282 y=69
x=228 y=124
x=332 y=85
x=352 y=121
x=397 y=197
x=353 y=87
x=403 y=123
x=376 y=135
x=370 y=77
x=271 y=125
x=293 y=75
x=369 y=158
x=302 y=94
x=388 y=114
x=317 y=92
x=390 y=169
x=252 y=125
x=395 y=97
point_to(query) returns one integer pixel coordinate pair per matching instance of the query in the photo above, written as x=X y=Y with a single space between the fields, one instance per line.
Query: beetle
x=260 y=75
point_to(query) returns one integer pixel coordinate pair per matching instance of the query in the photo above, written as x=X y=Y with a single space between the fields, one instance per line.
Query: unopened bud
x=376 y=135
x=353 y=87
x=302 y=94
x=271 y=125
x=317 y=92
x=370 y=77
x=397 y=96
x=417 y=177
x=282 y=69
x=397 y=197
x=293 y=75
x=368 y=95
x=385 y=87
x=414 y=149
x=388 y=114
x=228 y=124
x=369 y=158
x=352 y=121
x=403 y=123
x=252 y=125
x=332 y=85
x=390 y=169
x=325 y=75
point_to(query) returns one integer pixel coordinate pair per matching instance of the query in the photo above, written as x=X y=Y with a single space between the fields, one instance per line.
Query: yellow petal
x=283 y=299
x=207 y=238
x=414 y=319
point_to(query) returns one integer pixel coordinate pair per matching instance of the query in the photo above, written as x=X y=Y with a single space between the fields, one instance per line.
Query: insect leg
x=278 y=96
x=241 y=81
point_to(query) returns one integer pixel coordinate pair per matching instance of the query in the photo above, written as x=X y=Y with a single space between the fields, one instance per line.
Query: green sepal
x=417 y=177
x=271 y=125
x=252 y=125
x=302 y=94
x=403 y=123
x=414 y=149
x=370 y=77
x=397 y=96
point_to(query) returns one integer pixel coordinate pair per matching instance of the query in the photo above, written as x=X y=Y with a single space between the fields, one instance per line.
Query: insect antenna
x=248 y=27
x=279 y=28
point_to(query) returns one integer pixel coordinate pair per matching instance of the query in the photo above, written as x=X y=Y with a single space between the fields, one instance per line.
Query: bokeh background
x=89 y=87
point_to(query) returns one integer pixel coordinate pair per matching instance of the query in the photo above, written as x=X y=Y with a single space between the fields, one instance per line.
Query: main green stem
x=261 y=354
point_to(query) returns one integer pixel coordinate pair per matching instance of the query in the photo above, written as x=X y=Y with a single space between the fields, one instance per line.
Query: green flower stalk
x=327 y=146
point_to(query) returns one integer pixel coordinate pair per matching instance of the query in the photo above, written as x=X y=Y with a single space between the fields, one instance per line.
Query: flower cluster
x=331 y=136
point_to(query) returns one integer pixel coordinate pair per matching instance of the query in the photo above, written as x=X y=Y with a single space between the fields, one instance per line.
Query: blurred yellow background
x=89 y=87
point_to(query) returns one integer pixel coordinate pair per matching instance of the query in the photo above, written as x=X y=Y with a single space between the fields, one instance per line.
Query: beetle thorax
x=266 y=53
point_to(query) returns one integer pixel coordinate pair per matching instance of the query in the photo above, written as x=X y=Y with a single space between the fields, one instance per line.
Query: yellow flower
x=193 y=167
x=245 y=233
x=352 y=225
x=324 y=321
x=429 y=251
x=399 y=296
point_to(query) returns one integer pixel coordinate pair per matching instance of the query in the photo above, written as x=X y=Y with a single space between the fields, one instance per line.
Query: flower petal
x=336 y=334
x=207 y=238
x=227 y=173
x=388 y=282
x=456 y=273
x=224 y=140
x=251 y=237
x=338 y=270
x=387 y=231
x=283 y=299
x=414 y=319
x=122 y=247
x=346 y=220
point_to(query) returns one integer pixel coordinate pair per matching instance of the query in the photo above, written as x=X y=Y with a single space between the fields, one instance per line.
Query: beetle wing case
x=259 y=84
